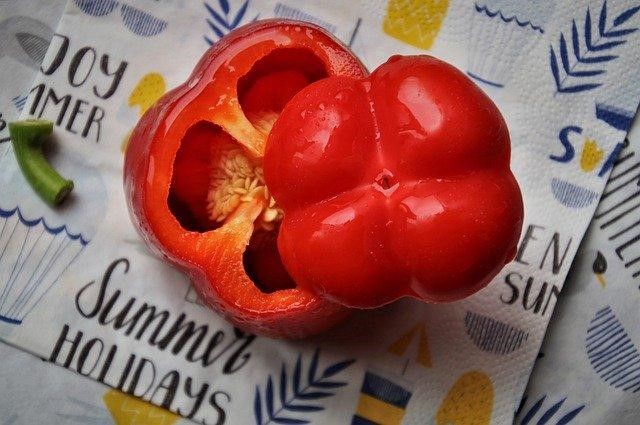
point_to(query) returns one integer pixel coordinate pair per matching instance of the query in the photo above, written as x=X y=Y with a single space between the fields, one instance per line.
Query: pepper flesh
x=193 y=176
x=394 y=185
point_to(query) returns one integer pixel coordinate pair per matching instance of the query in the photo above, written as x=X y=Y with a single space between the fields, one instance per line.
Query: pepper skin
x=397 y=184
x=193 y=174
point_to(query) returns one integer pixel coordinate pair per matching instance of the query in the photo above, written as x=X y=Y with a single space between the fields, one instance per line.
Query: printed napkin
x=25 y=32
x=78 y=288
x=589 y=364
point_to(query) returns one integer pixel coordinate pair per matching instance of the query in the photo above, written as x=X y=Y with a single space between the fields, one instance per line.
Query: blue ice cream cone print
x=37 y=243
x=501 y=32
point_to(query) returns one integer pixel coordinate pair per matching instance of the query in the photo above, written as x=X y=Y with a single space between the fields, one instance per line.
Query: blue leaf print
x=329 y=385
x=240 y=14
x=222 y=20
x=547 y=416
x=602 y=21
x=257 y=406
x=283 y=385
x=314 y=395
x=625 y=16
x=304 y=408
x=296 y=374
x=313 y=367
x=215 y=29
x=224 y=5
x=282 y=420
x=337 y=368
x=564 y=56
x=301 y=400
x=550 y=412
x=269 y=396
x=569 y=416
x=532 y=412
x=596 y=46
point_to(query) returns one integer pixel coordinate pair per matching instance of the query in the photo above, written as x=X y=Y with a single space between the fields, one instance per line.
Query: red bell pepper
x=397 y=184
x=194 y=182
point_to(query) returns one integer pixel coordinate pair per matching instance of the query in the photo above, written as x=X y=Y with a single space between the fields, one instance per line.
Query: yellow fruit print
x=415 y=22
x=126 y=409
x=591 y=155
x=468 y=402
x=148 y=90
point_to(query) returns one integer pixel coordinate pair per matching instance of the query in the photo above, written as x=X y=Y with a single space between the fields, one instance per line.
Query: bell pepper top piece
x=396 y=184
x=194 y=181
x=27 y=138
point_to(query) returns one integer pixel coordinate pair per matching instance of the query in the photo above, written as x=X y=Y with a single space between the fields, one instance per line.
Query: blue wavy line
x=10 y=320
x=51 y=230
x=498 y=13
x=484 y=80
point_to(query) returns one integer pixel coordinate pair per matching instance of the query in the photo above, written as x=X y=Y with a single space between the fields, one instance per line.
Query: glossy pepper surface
x=396 y=184
x=194 y=180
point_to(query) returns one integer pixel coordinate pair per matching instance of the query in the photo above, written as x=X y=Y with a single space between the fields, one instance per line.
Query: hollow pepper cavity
x=194 y=180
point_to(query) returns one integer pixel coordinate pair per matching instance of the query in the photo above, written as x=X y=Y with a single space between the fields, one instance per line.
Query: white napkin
x=589 y=362
x=25 y=32
x=411 y=362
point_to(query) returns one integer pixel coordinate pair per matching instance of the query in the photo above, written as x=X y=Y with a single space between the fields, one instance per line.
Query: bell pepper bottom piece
x=194 y=180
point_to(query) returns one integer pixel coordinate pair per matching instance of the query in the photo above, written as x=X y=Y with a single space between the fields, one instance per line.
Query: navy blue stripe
x=603 y=355
x=634 y=384
x=602 y=311
x=359 y=420
x=595 y=336
x=620 y=369
x=596 y=325
x=603 y=359
x=604 y=335
x=609 y=348
x=606 y=340
x=613 y=364
x=385 y=390
x=630 y=380
x=622 y=377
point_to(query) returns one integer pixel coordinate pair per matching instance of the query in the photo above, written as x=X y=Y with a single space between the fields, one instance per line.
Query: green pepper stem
x=27 y=138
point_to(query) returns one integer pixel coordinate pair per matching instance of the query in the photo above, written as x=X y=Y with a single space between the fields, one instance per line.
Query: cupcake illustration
x=415 y=22
x=501 y=32
x=37 y=243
